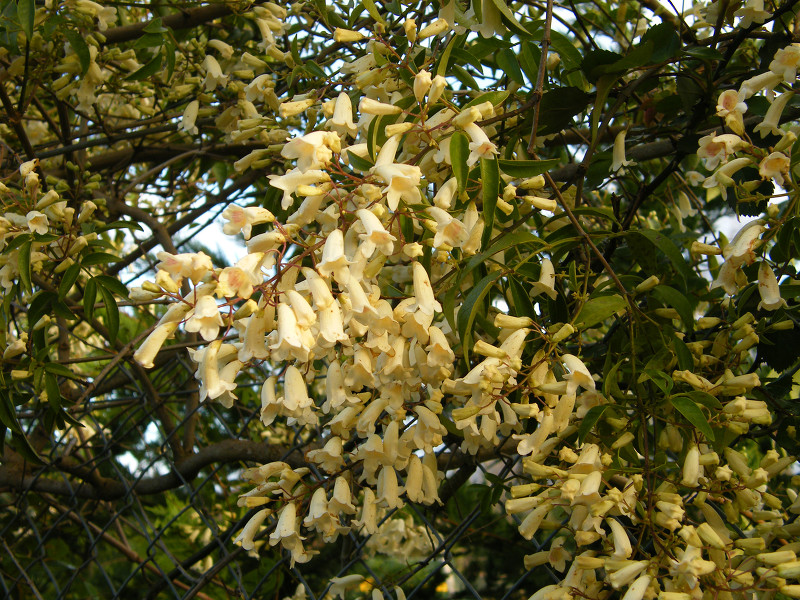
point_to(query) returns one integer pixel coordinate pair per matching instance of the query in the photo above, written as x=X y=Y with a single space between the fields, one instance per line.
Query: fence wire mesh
x=141 y=502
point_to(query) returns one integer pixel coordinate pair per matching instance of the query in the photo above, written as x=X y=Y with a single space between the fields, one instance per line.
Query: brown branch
x=104 y=488
x=181 y=20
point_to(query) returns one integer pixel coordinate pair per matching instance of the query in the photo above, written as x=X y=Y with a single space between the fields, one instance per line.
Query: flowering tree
x=442 y=263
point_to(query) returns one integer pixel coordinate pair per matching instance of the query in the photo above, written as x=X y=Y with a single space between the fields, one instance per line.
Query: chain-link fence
x=141 y=502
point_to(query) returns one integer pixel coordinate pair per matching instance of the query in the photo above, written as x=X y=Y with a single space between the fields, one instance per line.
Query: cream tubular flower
x=732 y=108
x=444 y=197
x=774 y=166
x=423 y=292
x=438 y=85
x=293 y=179
x=37 y=222
x=373 y=107
x=145 y=354
x=579 y=375
x=449 y=230
x=313 y=150
x=402 y=183
x=547 y=280
x=618 y=160
x=376 y=236
x=243 y=219
x=764 y=81
x=347 y=35
x=245 y=537
x=205 y=319
x=422 y=83
x=438 y=27
x=214 y=75
x=768 y=289
x=741 y=248
x=772 y=119
x=480 y=146
x=752 y=12
x=342 y=120
x=785 y=63
x=334 y=260
x=189 y=118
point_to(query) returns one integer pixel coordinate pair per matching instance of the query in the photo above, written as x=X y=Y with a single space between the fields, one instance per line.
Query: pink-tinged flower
x=774 y=166
x=376 y=235
x=740 y=250
x=243 y=219
x=313 y=150
x=205 y=319
x=214 y=75
x=726 y=279
x=195 y=266
x=238 y=281
x=768 y=289
x=449 y=230
x=342 y=120
x=480 y=146
x=772 y=119
x=785 y=63
x=714 y=148
x=402 y=183
x=732 y=108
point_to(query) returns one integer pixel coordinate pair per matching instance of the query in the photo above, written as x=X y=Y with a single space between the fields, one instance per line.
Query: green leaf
x=558 y=106
x=490 y=175
x=669 y=249
x=98 y=258
x=510 y=20
x=362 y=164
x=526 y=168
x=132 y=225
x=589 y=421
x=507 y=61
x=60 y=371
x=68 y=279
x=20 y=443
x=53 y=391
x=665 y=40
x=169 y=56
x=495 y=98
x=503 y=243
x=112 y=313
x=468 y=311
x=693 y=414
x=151 y=68
x=26 y=11
x=703 y=398
x=155 y=26
x=685 y=360
x=459 y=152
x=523 y=307
x=39 y=306
x=112 y=285
x=444 y=59
x=663 y=381
x=672 y=297
x=24 y=265
x=373 y=11
x=597 y=310
x=89 y=296
x=78 y=44
x=703 y=53
x=8 y=413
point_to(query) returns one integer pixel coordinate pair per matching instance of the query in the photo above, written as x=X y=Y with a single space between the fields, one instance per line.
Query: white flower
x=245 y=537
x=422 y=83
x=334 y=260
x=376 y=236
x=313 y=150
x=480 y=146
x=373 y=107
x=189 y=118
x=145 y=354
x=243 y=218
x=402 y=183
x=214 y=75
x=768 y=289
x=342 y=120
x=785 y=63
x=37 y=222
x=205 y=318
x=618 y=160
x=772 y=119
x=293 y=179
x=449 y=230
x=547 y=280
x=195 y=266
x=752 y=12
x=740 y=250
x=731 y=106
x=764 y=81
